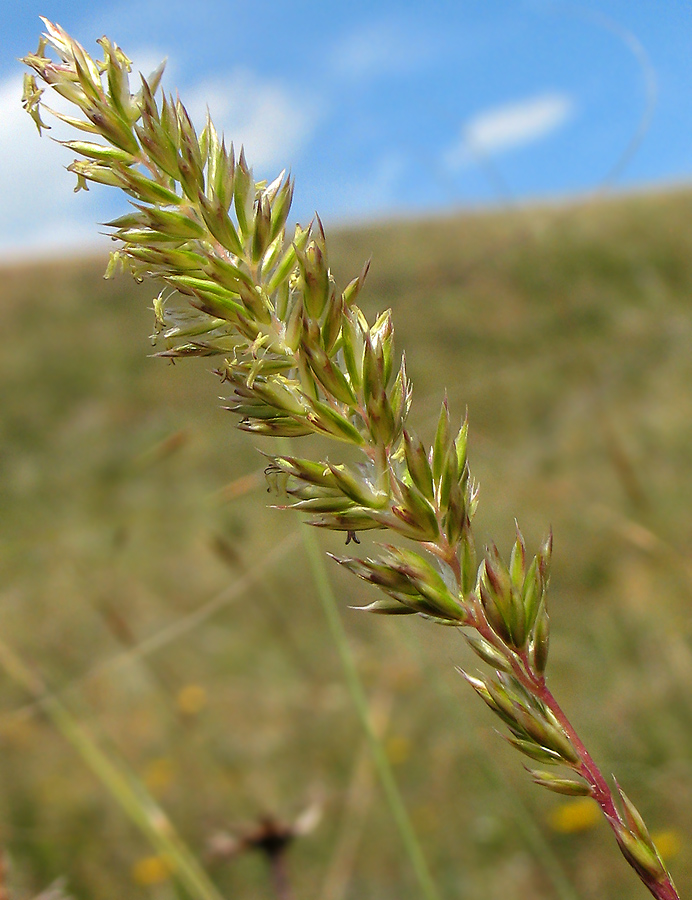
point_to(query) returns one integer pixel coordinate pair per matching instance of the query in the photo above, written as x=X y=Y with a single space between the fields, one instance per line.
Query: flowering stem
x=662 y=888
x=587 y=767
x=541 y=729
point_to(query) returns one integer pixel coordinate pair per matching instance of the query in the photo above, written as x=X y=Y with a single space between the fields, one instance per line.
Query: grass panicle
x=299 y=357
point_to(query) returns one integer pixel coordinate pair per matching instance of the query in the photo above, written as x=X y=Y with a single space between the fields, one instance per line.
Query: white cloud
x=39 y=209
x=262 y=115
x=504 y=128
x=376 y=49
x=40 y=212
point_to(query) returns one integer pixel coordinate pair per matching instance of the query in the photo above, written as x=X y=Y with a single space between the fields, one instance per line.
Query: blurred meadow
x=146 y=581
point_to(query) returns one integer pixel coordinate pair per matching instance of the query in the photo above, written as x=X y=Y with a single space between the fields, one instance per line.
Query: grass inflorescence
x=300 y=357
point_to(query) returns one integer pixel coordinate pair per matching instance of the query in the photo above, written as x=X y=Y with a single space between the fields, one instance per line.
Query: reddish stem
x=662 y=889
x=443 y=550
x=279 y=876
x=587 y=767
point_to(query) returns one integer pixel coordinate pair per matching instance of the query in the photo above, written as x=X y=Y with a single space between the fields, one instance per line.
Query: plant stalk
x=279 y=877
x=355 y=688
x=122 y=785
x=661 y=889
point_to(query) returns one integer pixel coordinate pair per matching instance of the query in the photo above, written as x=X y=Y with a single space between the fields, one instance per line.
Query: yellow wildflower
x=576 y=815
x=668 y=843
x=192 y=699
x=150 y=870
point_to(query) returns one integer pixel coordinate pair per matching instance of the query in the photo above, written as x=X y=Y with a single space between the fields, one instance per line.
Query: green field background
x=145 y=579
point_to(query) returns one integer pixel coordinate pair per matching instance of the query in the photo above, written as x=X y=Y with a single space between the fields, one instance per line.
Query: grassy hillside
x=143 y=577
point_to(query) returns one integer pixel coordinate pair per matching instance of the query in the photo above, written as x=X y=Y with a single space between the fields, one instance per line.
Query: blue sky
x=379 y=108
